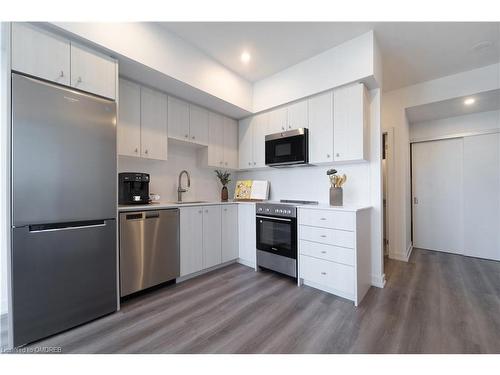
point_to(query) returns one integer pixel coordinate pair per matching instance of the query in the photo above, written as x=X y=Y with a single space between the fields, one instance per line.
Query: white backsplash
x=165 y=174
x=311 y=182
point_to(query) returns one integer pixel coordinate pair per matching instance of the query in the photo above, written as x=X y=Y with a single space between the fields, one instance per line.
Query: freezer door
x=62 y=277
x=63 y=154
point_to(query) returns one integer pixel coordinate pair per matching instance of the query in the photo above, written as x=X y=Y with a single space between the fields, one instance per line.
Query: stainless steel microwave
x=288 y=148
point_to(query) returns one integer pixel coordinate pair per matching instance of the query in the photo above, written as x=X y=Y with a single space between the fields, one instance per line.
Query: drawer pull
x=323 y=218
x=323 y=235
x=323 y=252
x=323 y=273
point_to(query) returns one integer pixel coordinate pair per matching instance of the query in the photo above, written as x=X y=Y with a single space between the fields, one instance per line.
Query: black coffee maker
x=133 y=188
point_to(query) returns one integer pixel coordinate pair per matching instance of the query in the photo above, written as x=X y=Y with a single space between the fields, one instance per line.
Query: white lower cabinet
x=208 y=236
x=334 y=251
x=229 y=232
x=247 y=234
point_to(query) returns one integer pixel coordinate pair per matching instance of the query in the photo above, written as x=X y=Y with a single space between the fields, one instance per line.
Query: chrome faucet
x=180 y=189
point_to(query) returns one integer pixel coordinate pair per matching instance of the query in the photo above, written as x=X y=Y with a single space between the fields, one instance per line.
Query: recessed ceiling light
x=245 y=57
x=482 y=45
x=469 y=101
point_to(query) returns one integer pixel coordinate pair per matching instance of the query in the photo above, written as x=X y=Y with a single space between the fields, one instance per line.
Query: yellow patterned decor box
x=251 y=190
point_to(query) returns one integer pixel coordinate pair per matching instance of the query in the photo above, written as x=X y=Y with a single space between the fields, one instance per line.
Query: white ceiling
x=484 y=101
x=412 y=51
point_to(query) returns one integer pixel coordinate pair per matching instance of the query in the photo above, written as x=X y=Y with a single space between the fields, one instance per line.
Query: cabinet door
x=198 y=125
x=93 y=72
x=230 y=143
x=154 y=137
x=277 y=120
x=298 y=115
x=260 y=129
x=191 y=230
x=178 y=119
x=350 y=123
x=245 y=143
x=212 y=251
x=40 y=53
x=229 y=232
x=247 y=248
x=129 y=119
x=321 y=128
x=215 y=140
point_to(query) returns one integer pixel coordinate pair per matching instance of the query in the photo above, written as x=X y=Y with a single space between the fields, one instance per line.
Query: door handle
x=415 y=200
x=37 y=228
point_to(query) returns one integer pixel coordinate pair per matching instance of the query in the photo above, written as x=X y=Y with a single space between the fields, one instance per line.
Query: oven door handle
x=273 y=218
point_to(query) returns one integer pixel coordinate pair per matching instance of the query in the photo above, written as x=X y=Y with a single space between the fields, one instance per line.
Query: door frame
x=388 y=224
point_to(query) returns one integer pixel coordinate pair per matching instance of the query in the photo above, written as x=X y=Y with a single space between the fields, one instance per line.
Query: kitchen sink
x=190 y=202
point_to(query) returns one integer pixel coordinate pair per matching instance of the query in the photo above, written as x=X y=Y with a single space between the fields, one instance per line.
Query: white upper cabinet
x=230 y=143
x=321 y=128
x=40 y=53
x=93 y=72
x=298 y=115
x=215 y=140
x=245 y=143
x=260 y=126
x=129 y=119
x=350 y=118
x=198 y=125
x=277 y=120
x=178 y=119
x=154 y=136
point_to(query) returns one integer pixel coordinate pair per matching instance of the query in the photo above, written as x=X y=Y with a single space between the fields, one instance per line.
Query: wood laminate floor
x=436 y=303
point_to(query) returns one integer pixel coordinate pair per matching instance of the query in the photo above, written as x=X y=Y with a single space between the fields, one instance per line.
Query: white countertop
x=165 y=205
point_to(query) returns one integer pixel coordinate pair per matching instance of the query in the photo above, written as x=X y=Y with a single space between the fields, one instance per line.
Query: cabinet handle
x=136 y=150
x=186 y=136
x=282 y=128
x=192 y=137
x=328 y=156
x=289 y=127
x=226 y=162
x=249 y=163
x=146 y=152
x=206 y=211
x=323 y=252
x=61 y=74
x=337 y=154
x=323 y=236
x=254 y=163
x=200 y=211
x=323 y=273
x=79 y=80
x=323 y=218
x=220 y=163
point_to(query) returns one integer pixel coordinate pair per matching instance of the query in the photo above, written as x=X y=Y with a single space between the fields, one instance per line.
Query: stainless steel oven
x=287 y=148
x=277 y=237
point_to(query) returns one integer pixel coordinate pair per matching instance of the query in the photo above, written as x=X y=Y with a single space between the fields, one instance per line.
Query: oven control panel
x=275 y=209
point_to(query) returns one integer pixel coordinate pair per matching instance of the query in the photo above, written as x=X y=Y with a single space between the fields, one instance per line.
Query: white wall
x=394 y=104
x=165 y=174
x=153 y=46
x=474 y=122
x=353 y=61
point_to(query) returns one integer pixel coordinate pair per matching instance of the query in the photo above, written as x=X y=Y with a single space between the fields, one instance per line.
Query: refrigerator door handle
x=66 y=226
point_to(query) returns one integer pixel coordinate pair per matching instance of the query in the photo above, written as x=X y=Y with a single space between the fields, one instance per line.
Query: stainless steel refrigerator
x=63 y=208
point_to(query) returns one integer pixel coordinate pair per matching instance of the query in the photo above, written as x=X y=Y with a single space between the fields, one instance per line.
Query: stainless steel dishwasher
x=149 y=249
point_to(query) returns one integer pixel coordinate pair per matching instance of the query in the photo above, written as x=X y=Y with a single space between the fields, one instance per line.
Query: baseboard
x=378 y=280
x=246 y=263
x=195 y=274
x=402 y=257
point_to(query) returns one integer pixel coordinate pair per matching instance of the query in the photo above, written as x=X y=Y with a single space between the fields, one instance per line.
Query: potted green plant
x=223 y=177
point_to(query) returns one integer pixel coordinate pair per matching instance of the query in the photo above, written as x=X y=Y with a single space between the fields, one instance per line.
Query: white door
x=40 y=53
x=298 y=115
x=321 y=128
x=215 y=140
x=245 y=143
x=178 y=119
x=212 y=236
x=129 y=119
x=229 y=232
x=437 y=195
x=154 y=137
x=482 y=196
x=191 y=239
x=277 y=120
x=230 y=143
x=260 y=126
x=198 y=125
x=93 y=72
x=349 y=123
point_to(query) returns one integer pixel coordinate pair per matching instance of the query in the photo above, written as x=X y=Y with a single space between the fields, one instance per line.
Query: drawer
x=328 y=252
x=327 y=219
x=327 y=236
x=330 y=274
